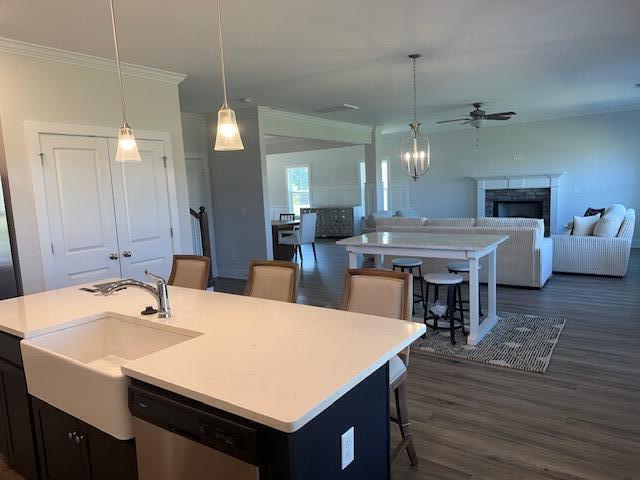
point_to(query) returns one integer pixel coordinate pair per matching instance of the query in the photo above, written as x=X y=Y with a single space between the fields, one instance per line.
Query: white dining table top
x=418 y=240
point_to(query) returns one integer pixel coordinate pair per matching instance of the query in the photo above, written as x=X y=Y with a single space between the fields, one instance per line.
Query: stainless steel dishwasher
x=176 y=441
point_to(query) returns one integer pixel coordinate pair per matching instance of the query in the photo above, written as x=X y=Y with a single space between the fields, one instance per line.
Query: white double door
x=106 y=219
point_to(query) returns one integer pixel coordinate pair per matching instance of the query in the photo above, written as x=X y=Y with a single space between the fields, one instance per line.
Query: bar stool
x=408 y=264
x=463 y=267
x=452 y=282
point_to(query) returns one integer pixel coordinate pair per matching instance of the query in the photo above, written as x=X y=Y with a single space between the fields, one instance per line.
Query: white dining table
x=468 y=247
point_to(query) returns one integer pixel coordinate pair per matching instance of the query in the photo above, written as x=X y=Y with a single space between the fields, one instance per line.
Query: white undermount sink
x=77 y=369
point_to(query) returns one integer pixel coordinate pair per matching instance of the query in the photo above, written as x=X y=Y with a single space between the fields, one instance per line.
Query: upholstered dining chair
x=190 y=271
x=387 y=294
x=303 y=235
x=273 y=280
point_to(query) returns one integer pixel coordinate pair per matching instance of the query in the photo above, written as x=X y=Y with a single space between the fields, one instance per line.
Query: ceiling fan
x=477 y=116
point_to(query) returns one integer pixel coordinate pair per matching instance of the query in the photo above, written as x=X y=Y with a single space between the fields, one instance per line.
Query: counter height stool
x=463 y=267
x=273 y=280
x=388 y=294
x=452 y=282
x=408 y=264
x=190 y=271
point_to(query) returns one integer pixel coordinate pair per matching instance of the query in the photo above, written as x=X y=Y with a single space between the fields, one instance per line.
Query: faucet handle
x=158 y=278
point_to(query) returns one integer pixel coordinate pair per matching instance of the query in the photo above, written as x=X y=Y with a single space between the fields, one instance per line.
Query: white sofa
x=595 y=255
x=523 y=260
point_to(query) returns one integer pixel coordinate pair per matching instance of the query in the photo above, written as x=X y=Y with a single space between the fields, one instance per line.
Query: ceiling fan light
x=127 y=150
x=477 y=123
x=227 y=133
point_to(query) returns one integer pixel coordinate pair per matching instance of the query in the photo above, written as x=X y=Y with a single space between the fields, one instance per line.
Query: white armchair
x=301 y=236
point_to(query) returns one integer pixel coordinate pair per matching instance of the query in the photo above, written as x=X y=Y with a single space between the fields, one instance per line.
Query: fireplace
x=518 y=208
x=520 y=196
x=519 y=202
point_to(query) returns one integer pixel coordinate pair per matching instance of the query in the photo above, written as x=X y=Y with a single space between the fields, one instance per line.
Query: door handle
x=127 y=254
x=113 y=256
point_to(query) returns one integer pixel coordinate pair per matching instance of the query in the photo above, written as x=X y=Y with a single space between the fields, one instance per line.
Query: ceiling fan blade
x=494 y=117
x=454 y=120
x=464 y=123
x=500 y=114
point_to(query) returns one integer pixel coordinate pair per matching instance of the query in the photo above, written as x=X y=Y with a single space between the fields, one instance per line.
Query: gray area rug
x=520 y=341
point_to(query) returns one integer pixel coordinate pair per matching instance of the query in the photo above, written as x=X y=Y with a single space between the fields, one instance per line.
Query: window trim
x=286 y=182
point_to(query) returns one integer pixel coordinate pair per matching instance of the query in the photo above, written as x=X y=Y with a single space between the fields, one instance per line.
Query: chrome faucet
x=159 y=292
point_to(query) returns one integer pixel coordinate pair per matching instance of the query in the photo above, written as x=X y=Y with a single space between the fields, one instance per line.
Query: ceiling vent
x=337 y=108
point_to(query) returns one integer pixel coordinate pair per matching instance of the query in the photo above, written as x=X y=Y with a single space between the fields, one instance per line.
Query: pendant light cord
x=415 y=114
x=115 y=44
x=224 y=80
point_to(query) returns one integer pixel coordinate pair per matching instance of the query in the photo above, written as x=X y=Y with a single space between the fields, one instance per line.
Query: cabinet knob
x=70 y=435
x=79 y=438
x=127 y=253
x=113 y=256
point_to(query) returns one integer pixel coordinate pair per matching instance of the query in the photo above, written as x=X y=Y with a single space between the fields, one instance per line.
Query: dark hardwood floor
x=580 y=420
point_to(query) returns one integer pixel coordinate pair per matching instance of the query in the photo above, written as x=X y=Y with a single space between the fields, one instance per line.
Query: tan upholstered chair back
x=273 y=280
x=190 y=271
x=379 y=292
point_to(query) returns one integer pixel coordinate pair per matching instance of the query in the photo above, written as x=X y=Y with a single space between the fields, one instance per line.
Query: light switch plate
x=348 y=448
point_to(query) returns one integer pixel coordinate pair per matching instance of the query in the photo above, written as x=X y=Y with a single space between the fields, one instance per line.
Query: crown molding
x=195 y=117
x=42 y=52
x=302 y=117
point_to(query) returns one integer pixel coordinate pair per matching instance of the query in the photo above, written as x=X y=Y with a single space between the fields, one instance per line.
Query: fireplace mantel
x=545 y=180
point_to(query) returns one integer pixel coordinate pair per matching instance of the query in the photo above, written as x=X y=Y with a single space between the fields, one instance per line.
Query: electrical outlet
x=348 y=448
x=518 y=157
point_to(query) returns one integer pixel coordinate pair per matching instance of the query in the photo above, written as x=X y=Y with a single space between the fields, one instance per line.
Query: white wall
x=600 y=153
x=33 y=89
x=334 y=176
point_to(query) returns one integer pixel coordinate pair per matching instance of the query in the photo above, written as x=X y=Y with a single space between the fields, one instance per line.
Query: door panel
x=80 y=208
x=141 y=202
x=60 y=456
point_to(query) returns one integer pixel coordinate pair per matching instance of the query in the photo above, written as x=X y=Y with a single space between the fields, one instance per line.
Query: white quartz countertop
x=438 y=241
x=275 y=363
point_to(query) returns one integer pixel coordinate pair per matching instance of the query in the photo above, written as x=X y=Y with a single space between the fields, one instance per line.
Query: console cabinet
x=16 y=432
x=337 y=221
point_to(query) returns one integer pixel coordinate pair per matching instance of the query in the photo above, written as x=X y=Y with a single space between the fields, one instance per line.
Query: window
x=298 y=188
x=363 y=178
x=384 y=166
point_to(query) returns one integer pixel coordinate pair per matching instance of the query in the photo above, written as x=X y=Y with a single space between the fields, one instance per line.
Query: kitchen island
x=293 y=377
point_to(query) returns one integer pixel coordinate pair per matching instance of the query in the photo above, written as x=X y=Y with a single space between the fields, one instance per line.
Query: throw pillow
x=583 y=226
x=608 y=226
x=593 y=211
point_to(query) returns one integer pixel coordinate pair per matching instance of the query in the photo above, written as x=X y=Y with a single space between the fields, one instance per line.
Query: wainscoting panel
x=339 y=195
x=398 y=196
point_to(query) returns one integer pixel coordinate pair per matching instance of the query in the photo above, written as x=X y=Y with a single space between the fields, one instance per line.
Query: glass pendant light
x=415 y=150
x=127 y=150
x=227 y=135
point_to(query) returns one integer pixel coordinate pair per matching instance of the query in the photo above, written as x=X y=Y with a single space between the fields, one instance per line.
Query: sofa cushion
x=610 y=222
x=400 y=222
x=583 y=226
x=451 y=222
x=407 y=212
x=504 y=222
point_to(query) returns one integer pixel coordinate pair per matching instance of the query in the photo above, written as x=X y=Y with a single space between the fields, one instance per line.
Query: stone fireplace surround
x=534 y=195
x=523 y=188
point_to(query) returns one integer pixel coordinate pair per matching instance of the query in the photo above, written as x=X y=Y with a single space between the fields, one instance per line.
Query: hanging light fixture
x=227 y=135
x=127 y=150
x=415 y=150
